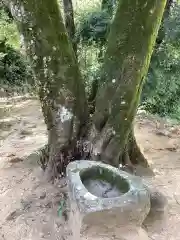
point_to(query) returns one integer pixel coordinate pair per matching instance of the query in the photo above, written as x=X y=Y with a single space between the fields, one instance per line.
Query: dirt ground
x=29 y=205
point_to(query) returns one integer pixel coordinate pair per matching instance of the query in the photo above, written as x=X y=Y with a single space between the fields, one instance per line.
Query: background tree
x=69 y=22
x=108 y=5
x=161 y=33
x=61 y=88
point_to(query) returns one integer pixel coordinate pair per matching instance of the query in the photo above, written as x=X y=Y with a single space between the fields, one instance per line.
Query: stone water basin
x=104 y=194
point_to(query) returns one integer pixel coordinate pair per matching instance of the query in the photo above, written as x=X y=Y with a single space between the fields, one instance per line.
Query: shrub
x=14 y=69
x=8 y=29
x=94 y=27
x=161 y=93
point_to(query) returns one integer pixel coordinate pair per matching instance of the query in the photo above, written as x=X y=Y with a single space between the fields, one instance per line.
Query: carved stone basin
x=104 y=194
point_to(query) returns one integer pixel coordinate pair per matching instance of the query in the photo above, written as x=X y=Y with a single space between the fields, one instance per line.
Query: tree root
x=44 y=156
x=135 y=153
x=132 y=156
x=54 y=162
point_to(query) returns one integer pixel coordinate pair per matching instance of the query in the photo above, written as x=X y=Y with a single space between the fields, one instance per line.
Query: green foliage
x=161 y=92
x=89 y=63
x=14 y=70
x=109 y=6
x=8 y=29
x=94 y=27
x=5 y=12
x=92 y=30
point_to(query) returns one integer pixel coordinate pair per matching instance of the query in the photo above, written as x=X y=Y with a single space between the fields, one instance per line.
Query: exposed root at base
x=54 y=162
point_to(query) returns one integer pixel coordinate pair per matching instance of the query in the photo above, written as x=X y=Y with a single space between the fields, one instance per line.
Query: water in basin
x=103 y=183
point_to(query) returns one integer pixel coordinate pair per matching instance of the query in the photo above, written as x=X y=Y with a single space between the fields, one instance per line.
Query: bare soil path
x=29 y=205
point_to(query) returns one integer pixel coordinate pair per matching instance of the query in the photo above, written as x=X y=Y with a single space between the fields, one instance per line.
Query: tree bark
x=69 y=22
x=61 y=89
x=130 y=44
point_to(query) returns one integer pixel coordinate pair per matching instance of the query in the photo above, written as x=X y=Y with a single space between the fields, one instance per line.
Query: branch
x=69 y=22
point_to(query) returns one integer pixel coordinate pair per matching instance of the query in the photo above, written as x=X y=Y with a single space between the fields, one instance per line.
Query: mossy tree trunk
x=108 y=135
x=130 y=44
x=61 y=89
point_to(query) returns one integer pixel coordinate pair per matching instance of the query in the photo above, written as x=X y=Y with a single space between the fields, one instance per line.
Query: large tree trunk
x=61 y=89
x=130 y=45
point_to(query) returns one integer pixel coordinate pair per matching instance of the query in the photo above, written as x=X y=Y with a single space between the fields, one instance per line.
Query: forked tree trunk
x=61 y=89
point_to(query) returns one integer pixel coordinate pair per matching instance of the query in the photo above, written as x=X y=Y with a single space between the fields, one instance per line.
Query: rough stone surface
x=130 y=208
